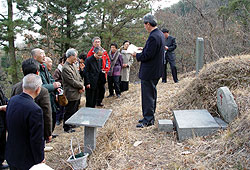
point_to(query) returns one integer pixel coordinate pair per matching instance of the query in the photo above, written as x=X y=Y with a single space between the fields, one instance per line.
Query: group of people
x=31 y=114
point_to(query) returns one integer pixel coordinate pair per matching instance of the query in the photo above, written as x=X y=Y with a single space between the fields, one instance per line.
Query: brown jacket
x=72 y=82
x=43 y=100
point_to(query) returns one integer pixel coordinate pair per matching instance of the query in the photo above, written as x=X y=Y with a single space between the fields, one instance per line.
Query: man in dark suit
x=73 y=87
x=24 y=118
x=92 y=72
x=43 y=100
x=151 y=59
x=170 y=46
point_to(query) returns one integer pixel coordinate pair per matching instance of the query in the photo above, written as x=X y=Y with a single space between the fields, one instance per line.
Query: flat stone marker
x=227 y=107
x=165 y=125
x=191 y=123
x=91 y=118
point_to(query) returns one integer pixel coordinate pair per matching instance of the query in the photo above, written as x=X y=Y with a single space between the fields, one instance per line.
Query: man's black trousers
x=114 y=84
x=70 y=109
x=171 y=61
x=91 y=97
x=149 y=97
x=101 y=88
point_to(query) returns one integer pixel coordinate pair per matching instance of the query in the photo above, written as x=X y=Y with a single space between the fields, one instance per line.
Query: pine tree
x=117 y=20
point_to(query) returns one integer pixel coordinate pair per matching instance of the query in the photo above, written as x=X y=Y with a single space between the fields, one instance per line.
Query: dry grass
x=229 y=149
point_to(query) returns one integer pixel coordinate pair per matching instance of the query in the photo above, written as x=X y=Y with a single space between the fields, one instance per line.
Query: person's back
x=24 y=119
x=43 y=101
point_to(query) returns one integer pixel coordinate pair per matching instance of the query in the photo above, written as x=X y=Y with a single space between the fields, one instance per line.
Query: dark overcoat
x=152 y=56
x=25 y=142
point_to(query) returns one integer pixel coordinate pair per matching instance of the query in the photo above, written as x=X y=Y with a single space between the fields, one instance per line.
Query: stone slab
x=226 y=104
x=165 y=125
x=222 y=124
x=90 y=117
x=191 y=123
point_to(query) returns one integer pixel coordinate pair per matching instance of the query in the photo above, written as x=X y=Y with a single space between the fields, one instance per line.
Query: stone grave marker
x=227 y=107
x=199 y=54
x=191 y=123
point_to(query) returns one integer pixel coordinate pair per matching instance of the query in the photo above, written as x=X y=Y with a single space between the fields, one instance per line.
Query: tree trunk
x=68 y=29
x=11 y=40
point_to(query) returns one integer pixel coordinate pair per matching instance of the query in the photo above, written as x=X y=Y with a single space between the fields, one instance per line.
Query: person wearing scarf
x=127 y=62
x=114 y=73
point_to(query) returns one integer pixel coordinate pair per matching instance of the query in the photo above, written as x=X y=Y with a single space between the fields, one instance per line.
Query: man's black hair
x=82 y=56
x=150 y=19
x=30 y=66
x=125 y=42
x=114 y=44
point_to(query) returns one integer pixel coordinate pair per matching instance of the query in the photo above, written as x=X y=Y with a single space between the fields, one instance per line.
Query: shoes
x=73 y=126
x=177 y=81
x=54 y=135
x=4 y=166
x=58 y=123
x=142 y=125
x=164 y=81
x=111 y=95
x=140 y=121
x=69 y=130
x=100 y=104
x=48 y=148
x=118 y=95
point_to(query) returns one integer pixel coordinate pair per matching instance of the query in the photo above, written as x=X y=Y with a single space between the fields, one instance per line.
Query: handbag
x=78 y=161
x=62 y=100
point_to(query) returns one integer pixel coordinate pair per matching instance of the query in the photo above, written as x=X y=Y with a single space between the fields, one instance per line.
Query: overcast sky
x=163 y=4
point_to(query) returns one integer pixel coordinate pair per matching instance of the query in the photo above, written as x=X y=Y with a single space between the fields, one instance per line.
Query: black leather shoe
x=4 y=166
x=177 y=81
x=142 y=125
x=54 y=135
x=70 y=131
x=140 y=121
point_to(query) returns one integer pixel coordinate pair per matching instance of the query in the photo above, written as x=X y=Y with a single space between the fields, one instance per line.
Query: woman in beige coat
x=127 y=62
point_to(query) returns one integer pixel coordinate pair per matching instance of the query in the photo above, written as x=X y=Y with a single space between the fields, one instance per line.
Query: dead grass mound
x=233 y=72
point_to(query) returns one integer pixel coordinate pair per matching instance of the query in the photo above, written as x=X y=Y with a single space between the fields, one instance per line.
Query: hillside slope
x=229 y=149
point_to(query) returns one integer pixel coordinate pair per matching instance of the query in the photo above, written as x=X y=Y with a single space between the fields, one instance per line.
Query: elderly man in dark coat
x=24 y=118
x=151 y=59
x=48 y=81
x=92 y=72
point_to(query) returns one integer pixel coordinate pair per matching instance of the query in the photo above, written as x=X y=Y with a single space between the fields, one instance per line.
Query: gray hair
x=95 y=38
x=35 y=51
x=150 y=19
x=97 y=49
x=71 y=52
x=47 y=59
x=32 y=82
